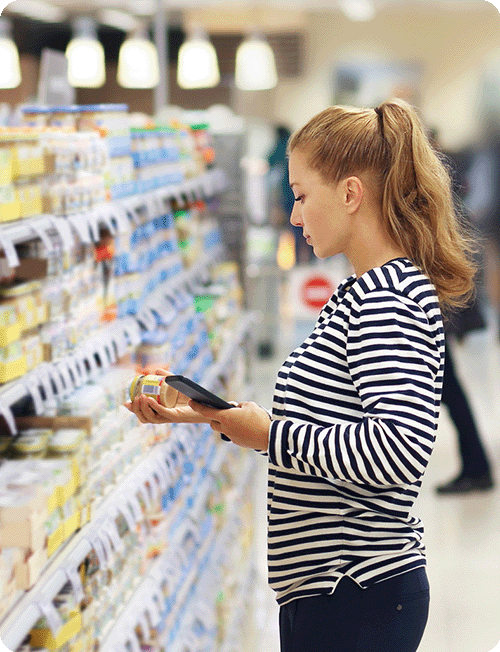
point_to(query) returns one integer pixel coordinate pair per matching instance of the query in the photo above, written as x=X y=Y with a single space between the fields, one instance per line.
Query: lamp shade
x=85 y=56
x=138 y=65
x=10 y=70
x=255 y=65
x=197 y=65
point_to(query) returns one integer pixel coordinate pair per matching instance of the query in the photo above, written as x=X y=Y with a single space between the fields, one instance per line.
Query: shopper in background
x=356 y=405
x=475 y=472
x=482 y=199
x=282 y=198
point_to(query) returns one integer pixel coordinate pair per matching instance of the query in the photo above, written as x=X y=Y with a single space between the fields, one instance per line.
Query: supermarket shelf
x=110 y=342
x=227 y=353
x=123 y=629
x=62 y=568
x=111 y=214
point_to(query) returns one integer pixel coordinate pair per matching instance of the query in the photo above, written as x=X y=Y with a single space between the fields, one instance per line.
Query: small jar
x=31 y=443
x=156 y=387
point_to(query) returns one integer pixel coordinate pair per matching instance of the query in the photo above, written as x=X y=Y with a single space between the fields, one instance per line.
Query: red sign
x=316 y=290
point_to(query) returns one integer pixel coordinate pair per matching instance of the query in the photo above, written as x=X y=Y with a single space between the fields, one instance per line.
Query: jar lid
x=133 y=386
x=66 y=440
x=31 y=441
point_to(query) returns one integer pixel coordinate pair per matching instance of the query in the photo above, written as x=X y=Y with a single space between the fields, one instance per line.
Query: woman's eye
x=299 y=198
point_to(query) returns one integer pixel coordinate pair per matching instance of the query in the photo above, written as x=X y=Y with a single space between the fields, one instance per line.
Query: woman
x=356 y=405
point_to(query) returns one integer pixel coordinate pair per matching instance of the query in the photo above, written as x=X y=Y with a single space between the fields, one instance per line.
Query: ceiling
x=177 y=7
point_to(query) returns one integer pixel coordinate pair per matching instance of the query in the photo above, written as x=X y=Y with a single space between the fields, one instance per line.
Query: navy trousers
x=474 y=461
x=389 y=616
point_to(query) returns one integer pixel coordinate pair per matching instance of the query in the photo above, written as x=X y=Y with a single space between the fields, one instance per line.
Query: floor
x=462 y=533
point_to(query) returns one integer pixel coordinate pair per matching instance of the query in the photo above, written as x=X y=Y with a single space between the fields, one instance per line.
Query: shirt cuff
x=278 y=444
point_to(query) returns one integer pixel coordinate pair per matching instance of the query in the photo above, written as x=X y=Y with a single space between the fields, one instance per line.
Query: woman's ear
x=352 y=193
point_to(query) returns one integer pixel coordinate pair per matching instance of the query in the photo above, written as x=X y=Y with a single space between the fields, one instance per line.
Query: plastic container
x=154 y=386
x=32 y=442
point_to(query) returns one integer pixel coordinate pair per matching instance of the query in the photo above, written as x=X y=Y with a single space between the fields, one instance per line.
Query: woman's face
x=318 y=209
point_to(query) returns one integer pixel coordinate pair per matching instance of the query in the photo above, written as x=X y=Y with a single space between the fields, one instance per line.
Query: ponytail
x=417 y=202
x=414 y=185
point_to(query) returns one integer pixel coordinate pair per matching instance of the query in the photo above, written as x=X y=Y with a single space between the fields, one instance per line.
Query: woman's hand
x=246 y=425
x=148 y=410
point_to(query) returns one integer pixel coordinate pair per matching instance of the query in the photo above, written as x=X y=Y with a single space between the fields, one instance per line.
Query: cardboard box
x=29 y=569
x=13 y=369
x=28 y=533
x=45 y=638
x=55 y=540
x=9 y=334
x=24 y=506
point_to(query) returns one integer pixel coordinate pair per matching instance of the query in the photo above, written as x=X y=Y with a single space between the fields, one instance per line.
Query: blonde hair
x=414 y=185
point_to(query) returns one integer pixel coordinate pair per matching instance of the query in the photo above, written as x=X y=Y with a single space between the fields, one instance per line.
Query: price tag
x=134 y=642
x=110 y=350
x=90 y=358
x=102 y=214
x=57 y=381
x=52 y=616
x=79 y=358
x=6 y=412
x=62 y=227
x=127 y=515
x=44 y=380
x=112 y=532
x=154 y=483
x=121 y=218
x=120 y=341
x=154 y=613
x=135 y=507
x=100 y=552
x=38 y=231
x=9 y=250
x=148 y=320
x=76 y=583
x=65 y=375
x=33 y=391
x=143 y=622
x=93 y=222
x=75 y=369
x=141 y=489
x=163 y=477
x=81 y=226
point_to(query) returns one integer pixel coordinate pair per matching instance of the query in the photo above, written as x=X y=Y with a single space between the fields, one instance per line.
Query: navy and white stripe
x=355 y=414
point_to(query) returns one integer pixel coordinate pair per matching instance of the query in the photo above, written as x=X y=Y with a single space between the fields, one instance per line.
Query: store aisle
x=462 y=532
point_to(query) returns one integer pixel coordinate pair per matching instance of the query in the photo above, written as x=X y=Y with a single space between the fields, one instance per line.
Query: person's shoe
x=464 y=485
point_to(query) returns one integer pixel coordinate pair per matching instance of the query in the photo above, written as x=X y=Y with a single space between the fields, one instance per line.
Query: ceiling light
x=37 y=10
x=358 y=10
x=86 y=68
x=255 y=64
x=138 y=65
x=197 y=65
x=10 y=69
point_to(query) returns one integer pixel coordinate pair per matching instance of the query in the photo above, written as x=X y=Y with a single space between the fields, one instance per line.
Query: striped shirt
x=355 y=414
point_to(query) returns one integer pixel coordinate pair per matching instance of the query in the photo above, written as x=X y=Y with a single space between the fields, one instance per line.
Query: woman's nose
x=295 y=216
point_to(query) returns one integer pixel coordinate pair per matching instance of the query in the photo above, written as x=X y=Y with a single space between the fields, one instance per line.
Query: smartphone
x=197 y=392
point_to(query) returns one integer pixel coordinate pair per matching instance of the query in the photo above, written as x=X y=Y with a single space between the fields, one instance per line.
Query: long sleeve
x=394 y=359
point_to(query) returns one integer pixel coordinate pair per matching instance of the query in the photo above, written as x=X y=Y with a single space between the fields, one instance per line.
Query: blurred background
x=252 y=72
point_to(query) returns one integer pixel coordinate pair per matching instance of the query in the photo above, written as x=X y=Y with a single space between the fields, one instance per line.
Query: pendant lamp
x=255 y=64
x=85 y=56
x=138 y=65
x=10 y=69
x=197 y=65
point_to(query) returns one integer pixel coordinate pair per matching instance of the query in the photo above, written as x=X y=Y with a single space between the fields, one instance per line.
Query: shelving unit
x=151 y=475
